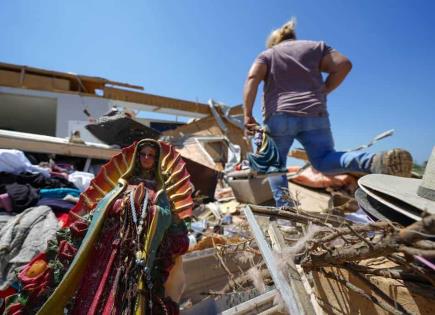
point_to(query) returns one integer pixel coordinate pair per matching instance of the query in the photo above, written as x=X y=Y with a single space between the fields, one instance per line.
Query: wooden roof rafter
x=79 y=83
x=21 y=76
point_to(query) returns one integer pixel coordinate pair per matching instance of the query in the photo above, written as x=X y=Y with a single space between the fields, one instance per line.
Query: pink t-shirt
x=294 y=83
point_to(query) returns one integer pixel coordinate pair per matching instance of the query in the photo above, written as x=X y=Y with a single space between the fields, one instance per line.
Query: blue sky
x=197 y=50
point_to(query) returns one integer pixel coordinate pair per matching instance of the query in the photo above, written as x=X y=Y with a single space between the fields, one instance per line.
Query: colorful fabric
x=15 y=162
x=57 y=205
x=22 y=196
x=58 y=192
x=266 y=160
x=24 y=236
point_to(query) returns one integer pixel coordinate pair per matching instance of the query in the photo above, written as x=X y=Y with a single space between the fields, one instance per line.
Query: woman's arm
x=256 y=74
x=338 y=66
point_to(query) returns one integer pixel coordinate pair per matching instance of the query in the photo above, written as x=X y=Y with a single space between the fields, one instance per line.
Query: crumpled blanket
x=81 y=180
x=4 y=218
x=266 y=160
x=22 y=237
x=15 y=162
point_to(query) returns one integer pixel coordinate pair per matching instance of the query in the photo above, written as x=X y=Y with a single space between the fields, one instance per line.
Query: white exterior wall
x=69 y=109
x=70 y=115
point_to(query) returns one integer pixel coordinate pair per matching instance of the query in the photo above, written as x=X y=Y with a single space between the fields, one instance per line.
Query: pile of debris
x=344 y=247
x=290 y=260
x=338 y=249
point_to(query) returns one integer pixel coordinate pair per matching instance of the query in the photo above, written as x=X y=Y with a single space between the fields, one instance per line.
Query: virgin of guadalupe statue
x=119 y=252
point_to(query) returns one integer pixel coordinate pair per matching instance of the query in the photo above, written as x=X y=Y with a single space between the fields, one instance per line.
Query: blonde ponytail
x=287 y=31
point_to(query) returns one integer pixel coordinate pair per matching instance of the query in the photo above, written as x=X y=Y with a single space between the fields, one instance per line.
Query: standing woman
x=294 y=107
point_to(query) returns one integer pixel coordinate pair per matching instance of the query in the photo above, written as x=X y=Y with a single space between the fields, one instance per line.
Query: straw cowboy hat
x=409 y=196
x=379 y=211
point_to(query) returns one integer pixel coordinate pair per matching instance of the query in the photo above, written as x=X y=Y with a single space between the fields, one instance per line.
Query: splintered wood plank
x=336 y=298
x=256 y=304
x=210 y=276
x=294 y=277
x=195 y=152
x=46 y=144
x=156 y=100
x=299 y=154
x=288 y=294
x=310 y=199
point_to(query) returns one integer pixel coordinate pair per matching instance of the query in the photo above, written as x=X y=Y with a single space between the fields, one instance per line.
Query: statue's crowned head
x=146 y=161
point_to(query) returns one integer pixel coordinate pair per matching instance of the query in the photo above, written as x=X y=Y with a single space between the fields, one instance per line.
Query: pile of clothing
x=34 y=200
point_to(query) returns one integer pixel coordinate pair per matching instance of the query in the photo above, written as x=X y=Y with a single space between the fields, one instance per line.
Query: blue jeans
x=314 y=133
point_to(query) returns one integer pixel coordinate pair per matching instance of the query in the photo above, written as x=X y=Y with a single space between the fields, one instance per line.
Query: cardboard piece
x=251 y=190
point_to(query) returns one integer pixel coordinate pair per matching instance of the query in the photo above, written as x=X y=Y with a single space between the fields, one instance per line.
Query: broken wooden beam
x=300 y=217
x=46 y=144
x=157 y=101
x=258 y=304
x=299 y=154
x=288 y=294
x=293 y=275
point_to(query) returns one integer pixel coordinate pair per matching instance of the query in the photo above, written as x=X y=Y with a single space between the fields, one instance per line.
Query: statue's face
x=147 y=157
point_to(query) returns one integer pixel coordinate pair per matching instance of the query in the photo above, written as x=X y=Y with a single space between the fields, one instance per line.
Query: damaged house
x=60 y=101
x=243 y=257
